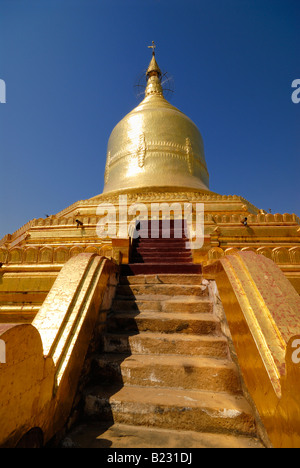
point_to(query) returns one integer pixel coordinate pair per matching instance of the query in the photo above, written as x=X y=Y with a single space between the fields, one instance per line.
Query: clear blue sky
x=70 y=67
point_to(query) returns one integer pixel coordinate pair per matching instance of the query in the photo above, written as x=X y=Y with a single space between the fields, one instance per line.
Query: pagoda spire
x=153 y=75
x=153 y=47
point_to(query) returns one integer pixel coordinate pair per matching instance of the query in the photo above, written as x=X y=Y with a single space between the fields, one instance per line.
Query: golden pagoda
x=205 y=340
x=155 y=145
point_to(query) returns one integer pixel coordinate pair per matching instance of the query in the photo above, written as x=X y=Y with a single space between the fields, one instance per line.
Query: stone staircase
x=163 y=376
x=153 y=253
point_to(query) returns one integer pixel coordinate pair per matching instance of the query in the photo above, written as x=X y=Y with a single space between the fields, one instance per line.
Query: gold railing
x=263 y=313
x=44 y=359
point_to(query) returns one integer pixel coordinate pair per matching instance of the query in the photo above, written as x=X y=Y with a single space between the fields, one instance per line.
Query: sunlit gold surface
x=155 y=145
x=42 y=245
x=45 y=358
x=155 y=154
x=262 y=310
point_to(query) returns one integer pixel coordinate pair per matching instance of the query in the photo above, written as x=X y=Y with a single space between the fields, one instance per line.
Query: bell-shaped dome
x=155 y=145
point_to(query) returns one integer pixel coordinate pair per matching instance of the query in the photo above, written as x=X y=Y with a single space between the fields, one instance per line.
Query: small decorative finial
x=153 y=47
x=153 y=75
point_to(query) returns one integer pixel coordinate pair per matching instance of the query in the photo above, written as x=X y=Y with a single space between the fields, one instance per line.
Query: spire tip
x=153 y=47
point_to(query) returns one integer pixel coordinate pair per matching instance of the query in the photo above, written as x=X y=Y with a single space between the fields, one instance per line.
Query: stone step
x=162 y=279
x=183 y=304
x=146 y=257
x=97 y=435
x=194 y=324
x=151 y=251
x=150 y=248
x=188 y=305
x=158 y=260
x=181 y=372
x=163 y=289
x=171 y=409
x=160 y=242
x=162 y=257
x=156 y=268
x=121 y=304
x=162 y=235
x=162 y=343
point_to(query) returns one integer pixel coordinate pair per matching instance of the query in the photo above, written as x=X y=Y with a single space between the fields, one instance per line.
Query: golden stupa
x=61 y=284
x=155 y=145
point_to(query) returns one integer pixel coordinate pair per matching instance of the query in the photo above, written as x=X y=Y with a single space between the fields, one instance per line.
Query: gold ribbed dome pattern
x=155 y=145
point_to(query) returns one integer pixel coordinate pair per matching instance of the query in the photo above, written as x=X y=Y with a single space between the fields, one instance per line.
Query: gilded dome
x=155 y=145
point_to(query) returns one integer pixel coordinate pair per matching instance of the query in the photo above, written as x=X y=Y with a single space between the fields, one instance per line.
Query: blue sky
x=70 y=67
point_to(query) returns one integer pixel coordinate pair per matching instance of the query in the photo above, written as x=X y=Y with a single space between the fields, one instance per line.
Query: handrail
x=64 y=311
x=262 y=309
x=45 y=358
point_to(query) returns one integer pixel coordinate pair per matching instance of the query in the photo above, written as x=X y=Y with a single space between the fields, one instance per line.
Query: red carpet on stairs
x=161 y=250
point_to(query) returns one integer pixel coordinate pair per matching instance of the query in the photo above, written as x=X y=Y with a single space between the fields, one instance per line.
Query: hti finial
x=153 y=75
x=153 y=47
